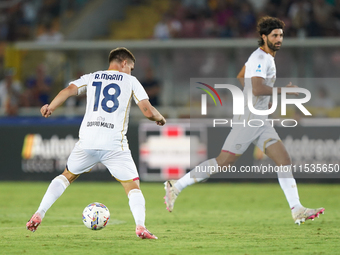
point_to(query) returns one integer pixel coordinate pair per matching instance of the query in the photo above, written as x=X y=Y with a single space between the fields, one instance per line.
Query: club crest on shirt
x=238 y=146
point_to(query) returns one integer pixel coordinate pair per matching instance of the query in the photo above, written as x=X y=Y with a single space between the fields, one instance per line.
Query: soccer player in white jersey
x=259 y=75
x=102 y=133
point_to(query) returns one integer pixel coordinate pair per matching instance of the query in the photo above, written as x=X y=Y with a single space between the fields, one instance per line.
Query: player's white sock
x=288 y=185
x=193 y=177
x=54 y=191
x=137 y=206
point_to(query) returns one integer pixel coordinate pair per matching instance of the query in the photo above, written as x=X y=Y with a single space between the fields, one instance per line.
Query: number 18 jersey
x=109 y=95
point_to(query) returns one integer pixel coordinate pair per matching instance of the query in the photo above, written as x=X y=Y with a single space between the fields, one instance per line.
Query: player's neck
x=114 y=67
x=266 y=49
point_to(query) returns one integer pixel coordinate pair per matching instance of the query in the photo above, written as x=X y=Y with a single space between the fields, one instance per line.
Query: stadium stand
x=55 y=21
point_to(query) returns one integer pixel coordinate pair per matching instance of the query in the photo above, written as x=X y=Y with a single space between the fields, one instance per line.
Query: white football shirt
x=109 y=95
x=259 y=64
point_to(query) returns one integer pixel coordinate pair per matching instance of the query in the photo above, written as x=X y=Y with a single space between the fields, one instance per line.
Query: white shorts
x=120 y=163
x=240 y=138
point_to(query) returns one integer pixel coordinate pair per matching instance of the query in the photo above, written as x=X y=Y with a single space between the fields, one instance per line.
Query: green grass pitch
x=209 y=218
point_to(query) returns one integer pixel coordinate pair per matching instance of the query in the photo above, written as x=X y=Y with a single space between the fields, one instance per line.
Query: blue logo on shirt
x=258 y=70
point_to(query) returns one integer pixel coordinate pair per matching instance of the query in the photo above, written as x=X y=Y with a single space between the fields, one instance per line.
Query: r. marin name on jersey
x=104 y=76
x=109 y=94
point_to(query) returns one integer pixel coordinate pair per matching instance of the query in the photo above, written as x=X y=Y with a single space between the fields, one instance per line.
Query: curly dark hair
x=266 y=25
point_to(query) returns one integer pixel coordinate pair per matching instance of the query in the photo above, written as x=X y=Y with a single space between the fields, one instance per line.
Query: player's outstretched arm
x=47 y=109
x=150 y=112
x=290 y=85
x=261 y=89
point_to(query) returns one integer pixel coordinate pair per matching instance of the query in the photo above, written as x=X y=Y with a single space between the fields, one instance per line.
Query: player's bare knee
x=128 y=186
x=226 y=159
x=70 y=176
x=226 y=163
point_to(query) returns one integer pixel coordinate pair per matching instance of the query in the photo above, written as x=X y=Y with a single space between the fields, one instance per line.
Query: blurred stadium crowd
x=43 y=21
x=229 y=18
x=30 y=19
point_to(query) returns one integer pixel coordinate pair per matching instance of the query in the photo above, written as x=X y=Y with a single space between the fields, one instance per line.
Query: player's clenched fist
x=45 y=111
x=161 y=122
x=290 y=85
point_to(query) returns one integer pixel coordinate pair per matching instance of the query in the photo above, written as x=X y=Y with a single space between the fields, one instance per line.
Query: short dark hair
x=266 y=25
x=120 y=54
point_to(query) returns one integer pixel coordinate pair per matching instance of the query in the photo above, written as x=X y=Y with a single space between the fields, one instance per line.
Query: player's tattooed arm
x=151 y=112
